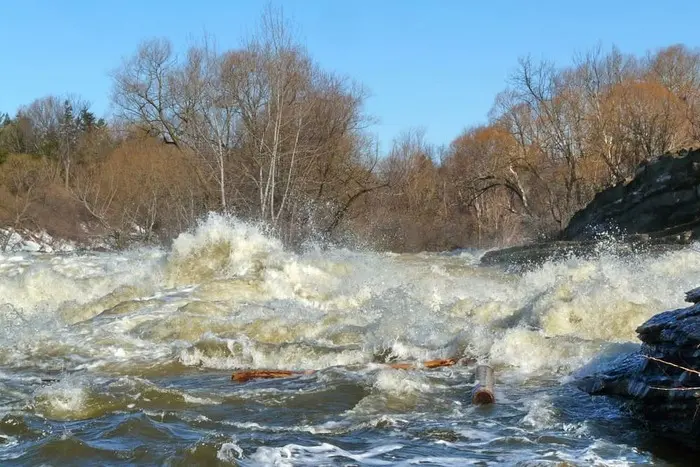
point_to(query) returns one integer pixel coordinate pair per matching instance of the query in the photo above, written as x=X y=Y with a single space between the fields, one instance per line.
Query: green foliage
x=86 y=120
x=49 y=146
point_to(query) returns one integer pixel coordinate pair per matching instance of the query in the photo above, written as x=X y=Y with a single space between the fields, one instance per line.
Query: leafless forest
x=265 y=133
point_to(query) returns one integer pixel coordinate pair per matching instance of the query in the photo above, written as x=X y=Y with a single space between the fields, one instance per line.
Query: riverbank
x=41 y=242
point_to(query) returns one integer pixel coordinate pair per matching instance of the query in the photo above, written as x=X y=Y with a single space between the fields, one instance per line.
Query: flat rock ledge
x=533 y=255
x=660 y=383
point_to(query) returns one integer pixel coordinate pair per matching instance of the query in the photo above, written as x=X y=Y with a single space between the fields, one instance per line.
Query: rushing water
x=126 y=358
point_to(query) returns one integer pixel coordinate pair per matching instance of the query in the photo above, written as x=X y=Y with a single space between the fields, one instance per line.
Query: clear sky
x=432 y=63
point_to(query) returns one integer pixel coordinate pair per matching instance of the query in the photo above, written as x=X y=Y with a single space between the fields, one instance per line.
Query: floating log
x=243 y=376
x=483 y=392
x=247 y=375
x=427 y=364
x=440 y=363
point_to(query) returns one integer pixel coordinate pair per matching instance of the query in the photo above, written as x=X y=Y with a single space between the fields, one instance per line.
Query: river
x=126 y=358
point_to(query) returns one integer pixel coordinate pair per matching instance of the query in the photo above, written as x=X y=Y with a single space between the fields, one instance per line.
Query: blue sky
x=436 y=64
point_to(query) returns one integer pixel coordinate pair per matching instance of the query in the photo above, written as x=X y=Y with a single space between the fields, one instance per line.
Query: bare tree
x=142 y=90
x=41 y=120
x=553 y=100
x=275 y=111
x=596 y=75
x=22 y=181
x=678 y=69
x=210 y=111
x=50 y=126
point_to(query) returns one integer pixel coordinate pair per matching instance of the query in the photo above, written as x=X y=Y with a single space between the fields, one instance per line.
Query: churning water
x=126 y=358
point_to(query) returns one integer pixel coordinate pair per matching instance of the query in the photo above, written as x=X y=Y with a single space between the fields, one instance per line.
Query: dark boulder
x=660 y=382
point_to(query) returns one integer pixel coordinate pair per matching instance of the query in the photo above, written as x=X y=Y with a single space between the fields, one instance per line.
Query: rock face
x=661 y=382
x=658 y=210
x=663 y=195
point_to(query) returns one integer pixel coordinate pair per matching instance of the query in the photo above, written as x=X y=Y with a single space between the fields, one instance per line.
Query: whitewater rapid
x=97 y=335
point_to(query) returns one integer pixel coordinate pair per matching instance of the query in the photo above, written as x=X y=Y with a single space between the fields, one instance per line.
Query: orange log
x=402 y=366
x=426 y=364
x=440 y=363
x=247 y=375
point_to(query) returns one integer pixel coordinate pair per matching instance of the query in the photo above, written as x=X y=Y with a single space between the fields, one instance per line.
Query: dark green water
x=335 y=417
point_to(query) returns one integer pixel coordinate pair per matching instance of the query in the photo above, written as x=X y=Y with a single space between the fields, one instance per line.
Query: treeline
x=263 y=132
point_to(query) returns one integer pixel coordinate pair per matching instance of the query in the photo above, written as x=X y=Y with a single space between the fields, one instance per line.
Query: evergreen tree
x=86 y=120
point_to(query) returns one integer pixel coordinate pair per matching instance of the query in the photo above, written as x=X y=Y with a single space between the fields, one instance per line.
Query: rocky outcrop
x=657 y=210
x=661 y=382
x=663 y=195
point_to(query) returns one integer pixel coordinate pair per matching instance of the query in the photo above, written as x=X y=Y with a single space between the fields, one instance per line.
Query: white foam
x=401 y=382
x=238 y=246
x=190 y=399
x=540 y=415
x=8 y=448
x=603 y=453
x=295 y=454
x=325 y=428
x=270 y=308
x=63 y=400
x=230 y=452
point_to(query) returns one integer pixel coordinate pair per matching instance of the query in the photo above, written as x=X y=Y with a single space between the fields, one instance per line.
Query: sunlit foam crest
x=292 y=308
x=220 y=246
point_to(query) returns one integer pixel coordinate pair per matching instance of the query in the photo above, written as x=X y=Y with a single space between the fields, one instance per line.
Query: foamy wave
x=325 y=428
x=230 y=452
x=401 y=382
x=532 y=351
x=602 y=453
x=220 y=246
x=228 y=354
x=540 y=414
x=67 y=399
x=242 y=301
x=68 y=282
x=295 y=454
